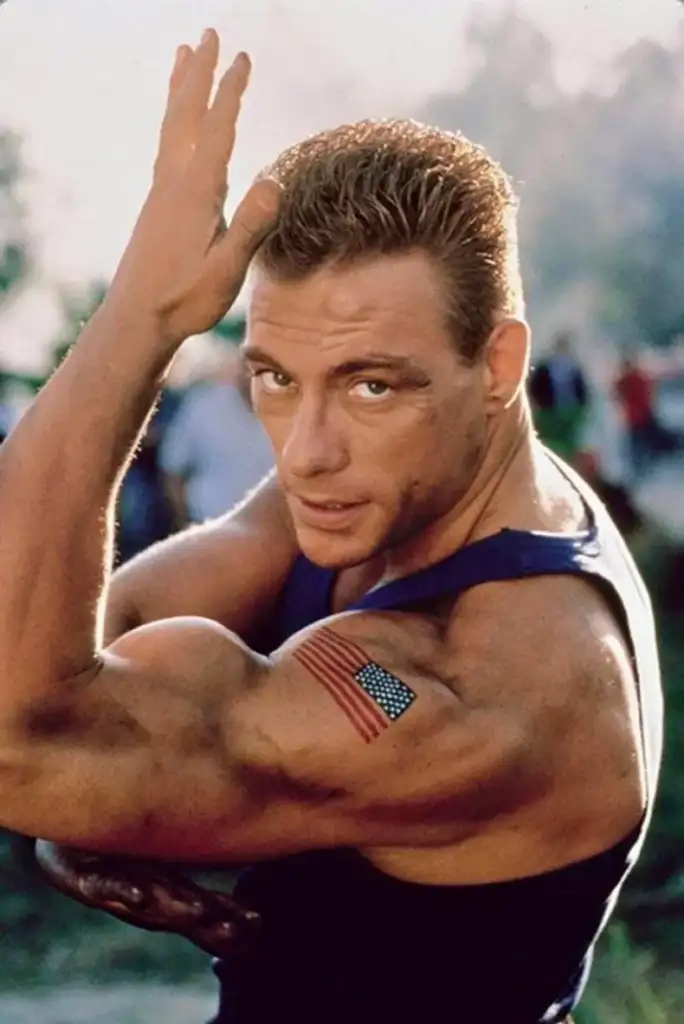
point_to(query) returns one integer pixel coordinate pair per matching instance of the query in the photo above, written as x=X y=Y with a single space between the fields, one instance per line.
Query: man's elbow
x=120 y=619
x=21 y=779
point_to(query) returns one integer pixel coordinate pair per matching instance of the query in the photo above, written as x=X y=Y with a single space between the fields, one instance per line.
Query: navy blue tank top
x=343 y=943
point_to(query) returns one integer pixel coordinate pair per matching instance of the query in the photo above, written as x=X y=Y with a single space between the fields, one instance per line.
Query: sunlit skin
x=369 y=406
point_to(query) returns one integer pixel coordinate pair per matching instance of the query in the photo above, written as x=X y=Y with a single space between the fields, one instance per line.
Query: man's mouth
x=327 y=513
x=329 y=504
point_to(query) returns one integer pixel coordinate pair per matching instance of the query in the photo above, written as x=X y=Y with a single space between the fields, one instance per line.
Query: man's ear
x=507 y=356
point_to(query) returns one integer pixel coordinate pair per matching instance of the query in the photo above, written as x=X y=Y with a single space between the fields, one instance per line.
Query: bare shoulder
x=550 y=652
x=227 y=569
x=547 y=638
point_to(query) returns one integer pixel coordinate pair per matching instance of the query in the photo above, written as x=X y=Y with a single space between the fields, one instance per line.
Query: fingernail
x=206 y=35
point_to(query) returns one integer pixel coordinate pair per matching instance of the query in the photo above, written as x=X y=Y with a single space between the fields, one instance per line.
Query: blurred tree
x=231 y=329
x=641 y=263
x=77 y=308
x=15 y=255
x=600 y=174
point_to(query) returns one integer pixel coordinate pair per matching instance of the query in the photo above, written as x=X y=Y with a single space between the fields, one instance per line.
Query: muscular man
x=437 y=742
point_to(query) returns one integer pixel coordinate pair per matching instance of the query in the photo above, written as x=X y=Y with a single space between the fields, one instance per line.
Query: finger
x=217 y=138
x=177 y=904
x=193 y=96
x=126 y=893
x=184 y=57
x=189 y=90
x=229 y=905
x=112 y=889
x=229 y=260
x=218 y=940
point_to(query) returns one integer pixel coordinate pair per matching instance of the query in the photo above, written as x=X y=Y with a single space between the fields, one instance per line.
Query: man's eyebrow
x=254 y=354
x=369 y=361
x=377 y=361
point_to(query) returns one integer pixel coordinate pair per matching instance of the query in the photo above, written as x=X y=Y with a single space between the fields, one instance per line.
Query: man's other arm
x=230 y=569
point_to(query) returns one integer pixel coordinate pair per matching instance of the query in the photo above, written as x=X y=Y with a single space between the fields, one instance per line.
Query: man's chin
x=334 y=550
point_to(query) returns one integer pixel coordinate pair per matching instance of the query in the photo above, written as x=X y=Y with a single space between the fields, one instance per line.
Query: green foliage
x=14 y=263
x=47 y=939
x=77 y=308
x=627 y=988
x=231 y=329
x=15 y=257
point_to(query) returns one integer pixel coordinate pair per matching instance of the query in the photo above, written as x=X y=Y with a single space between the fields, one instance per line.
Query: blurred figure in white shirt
x=214 y=449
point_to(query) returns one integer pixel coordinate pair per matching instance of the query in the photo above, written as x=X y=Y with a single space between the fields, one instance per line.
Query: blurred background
x=583 y=103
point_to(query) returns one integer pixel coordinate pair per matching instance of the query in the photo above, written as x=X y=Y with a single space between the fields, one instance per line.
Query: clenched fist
x=150 y=896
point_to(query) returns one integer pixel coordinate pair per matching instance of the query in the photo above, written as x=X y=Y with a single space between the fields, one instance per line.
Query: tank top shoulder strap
x=507 y=555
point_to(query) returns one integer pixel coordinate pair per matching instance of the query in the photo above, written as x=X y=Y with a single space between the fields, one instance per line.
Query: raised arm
x=229 y=570
x=179 y=275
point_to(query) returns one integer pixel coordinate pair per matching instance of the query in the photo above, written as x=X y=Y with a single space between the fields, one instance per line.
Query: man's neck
x=506 y=479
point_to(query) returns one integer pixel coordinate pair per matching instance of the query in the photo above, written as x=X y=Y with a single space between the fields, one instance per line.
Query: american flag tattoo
x=370 y=696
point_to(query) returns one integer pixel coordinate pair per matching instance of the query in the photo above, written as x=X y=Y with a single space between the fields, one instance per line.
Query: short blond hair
x=383 y=187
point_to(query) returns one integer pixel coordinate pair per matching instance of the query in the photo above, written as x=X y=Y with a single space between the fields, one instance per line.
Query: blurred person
x=215 y=450
x=145 y=512
x=635 y=390
x=437 y=742
x=560 y=395
x=602 y=463
x=9 y=412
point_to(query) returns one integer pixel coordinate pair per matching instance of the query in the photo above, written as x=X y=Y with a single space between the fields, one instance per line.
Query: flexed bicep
x=189 y=746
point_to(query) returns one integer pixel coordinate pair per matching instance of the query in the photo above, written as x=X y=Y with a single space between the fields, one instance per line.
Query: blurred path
x=120 y=1004
x=661 y=496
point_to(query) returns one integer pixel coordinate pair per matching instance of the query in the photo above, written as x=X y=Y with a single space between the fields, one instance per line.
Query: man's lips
x=332 y=504
x=327 y=513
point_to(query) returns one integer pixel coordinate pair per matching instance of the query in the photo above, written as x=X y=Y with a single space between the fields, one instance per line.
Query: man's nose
x=315 y=445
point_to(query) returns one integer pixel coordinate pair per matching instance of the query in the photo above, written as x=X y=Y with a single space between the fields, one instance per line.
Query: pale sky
x=84 y=81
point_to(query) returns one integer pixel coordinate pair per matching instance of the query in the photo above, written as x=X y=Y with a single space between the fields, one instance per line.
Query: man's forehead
x=404 y=284
x=386 y=306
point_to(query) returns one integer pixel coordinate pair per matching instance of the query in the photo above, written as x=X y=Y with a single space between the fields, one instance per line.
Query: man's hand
x=183 y=267
x=150 y=896
x=178 y=276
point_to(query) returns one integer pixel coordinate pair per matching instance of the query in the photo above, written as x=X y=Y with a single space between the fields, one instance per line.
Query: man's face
x=377 y=426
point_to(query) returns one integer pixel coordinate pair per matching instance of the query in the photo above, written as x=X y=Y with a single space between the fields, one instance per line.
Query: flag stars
x=386 y=689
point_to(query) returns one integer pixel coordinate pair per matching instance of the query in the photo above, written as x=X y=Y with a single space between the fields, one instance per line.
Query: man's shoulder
x=549 y=655
x=537 y=641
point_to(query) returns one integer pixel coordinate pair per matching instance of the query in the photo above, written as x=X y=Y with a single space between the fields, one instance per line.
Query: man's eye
x=273 y=381
x=370 y=389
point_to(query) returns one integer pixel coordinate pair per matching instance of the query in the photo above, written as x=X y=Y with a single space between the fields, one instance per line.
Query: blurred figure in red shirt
x=636 y=393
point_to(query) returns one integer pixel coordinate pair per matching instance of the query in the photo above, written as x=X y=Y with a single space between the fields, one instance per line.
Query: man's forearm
x=59 y=474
